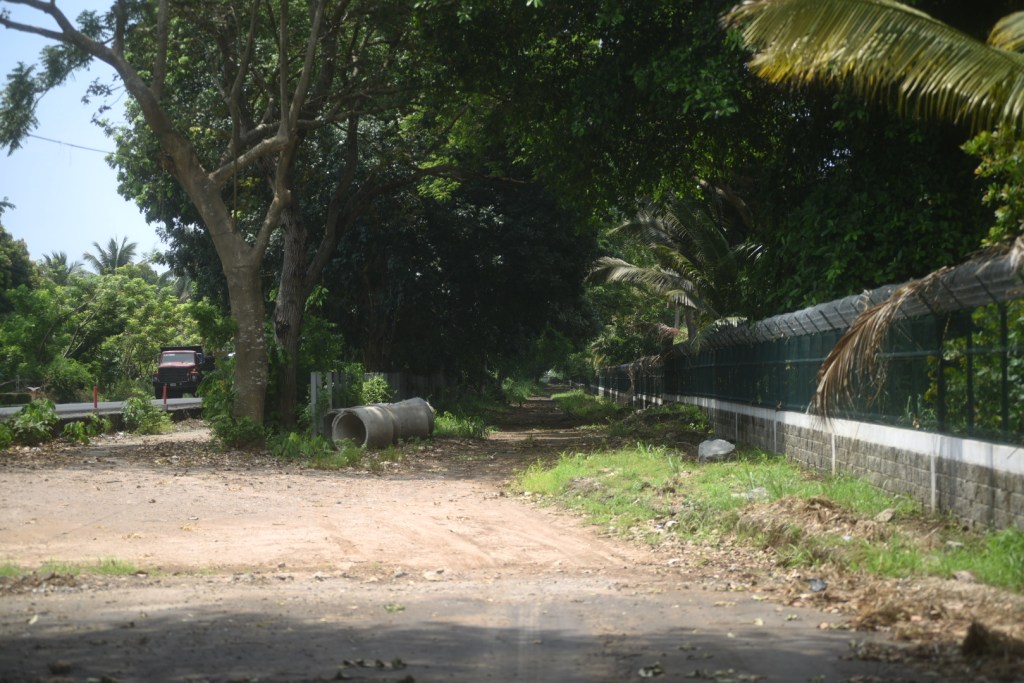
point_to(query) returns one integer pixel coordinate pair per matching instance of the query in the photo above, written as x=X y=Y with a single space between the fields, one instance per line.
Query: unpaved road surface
x=427 y=571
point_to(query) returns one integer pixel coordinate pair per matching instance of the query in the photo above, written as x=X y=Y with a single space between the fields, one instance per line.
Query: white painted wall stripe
x=999 y=457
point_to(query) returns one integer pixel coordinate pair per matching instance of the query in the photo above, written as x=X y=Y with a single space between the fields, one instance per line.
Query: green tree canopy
x=237 y=101
x=16 y=267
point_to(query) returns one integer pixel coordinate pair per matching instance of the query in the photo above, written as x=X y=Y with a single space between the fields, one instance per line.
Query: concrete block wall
x=978 y=482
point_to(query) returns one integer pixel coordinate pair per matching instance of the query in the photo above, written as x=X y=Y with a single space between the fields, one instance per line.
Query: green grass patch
x=8 y=569
x=105 y=567
x=995 y=558
x=581 y=404
x=771 y=503
x=461 y=426
x=319 y=453
x=661 y=423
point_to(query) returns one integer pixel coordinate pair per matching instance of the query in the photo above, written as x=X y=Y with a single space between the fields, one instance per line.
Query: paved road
x=73 y=410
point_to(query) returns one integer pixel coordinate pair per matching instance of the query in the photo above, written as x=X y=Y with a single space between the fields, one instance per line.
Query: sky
x=65 y=197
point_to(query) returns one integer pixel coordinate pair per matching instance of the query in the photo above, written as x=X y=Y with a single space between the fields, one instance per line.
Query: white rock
x=714 y=449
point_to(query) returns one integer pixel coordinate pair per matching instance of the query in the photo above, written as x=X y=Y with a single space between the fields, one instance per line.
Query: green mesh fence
x=953 y=360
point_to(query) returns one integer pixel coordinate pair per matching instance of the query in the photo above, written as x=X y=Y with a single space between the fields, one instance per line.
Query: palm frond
x=1008 y=32
x=1017 y=253
x=854 y=360
x=611 y=269
x=888 y=52
x=705 y=333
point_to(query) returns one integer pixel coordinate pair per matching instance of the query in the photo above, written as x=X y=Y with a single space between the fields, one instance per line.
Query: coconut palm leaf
x=1008 y=33
x=854 y=360
x=696 y=266
x=107 y=260
x=890 y=52
x=59 y=269
x=678 y=290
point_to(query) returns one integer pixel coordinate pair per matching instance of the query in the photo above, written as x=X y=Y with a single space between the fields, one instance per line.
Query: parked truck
x=179 y=370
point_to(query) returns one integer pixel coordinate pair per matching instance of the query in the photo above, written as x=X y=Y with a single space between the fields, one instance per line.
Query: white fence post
x=314 y=389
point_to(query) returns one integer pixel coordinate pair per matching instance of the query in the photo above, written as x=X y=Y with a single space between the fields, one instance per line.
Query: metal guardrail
x=71 y=411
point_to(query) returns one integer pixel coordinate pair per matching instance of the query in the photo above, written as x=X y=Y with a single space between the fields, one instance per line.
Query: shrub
x=376 y=390
x=74 y=432
x=142 y=417
x=98 y=424
x=68 y=380
x=518 y=391
x=34 y=423
x=295 y=446
x=218 y=392
x=82 y=431
x=242 y=433
x=6 y=436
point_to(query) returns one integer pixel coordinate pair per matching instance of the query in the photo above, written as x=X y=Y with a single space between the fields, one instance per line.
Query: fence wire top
x=982 y=281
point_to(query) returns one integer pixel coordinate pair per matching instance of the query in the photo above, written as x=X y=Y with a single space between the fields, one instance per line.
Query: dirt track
x=431 y=572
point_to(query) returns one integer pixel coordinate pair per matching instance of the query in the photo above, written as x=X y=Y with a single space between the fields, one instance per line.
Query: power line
x=70 y=144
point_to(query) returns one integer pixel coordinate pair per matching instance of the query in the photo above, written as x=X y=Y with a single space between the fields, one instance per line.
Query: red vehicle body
x=179 y=371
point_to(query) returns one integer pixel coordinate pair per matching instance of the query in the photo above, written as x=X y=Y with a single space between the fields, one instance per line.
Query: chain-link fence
x=953 y=359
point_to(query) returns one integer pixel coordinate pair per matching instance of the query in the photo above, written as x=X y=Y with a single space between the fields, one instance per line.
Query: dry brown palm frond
x=1017 y=254
x=854 y=360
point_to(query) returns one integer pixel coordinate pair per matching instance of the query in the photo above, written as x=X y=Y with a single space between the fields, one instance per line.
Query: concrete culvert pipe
x=413 y=418
x=382 y=424
x=369 y=426
x=327 y=423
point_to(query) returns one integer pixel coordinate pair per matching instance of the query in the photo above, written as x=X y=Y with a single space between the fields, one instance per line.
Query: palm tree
x=106 y=261
x=58 y=269
x=697 y=268
x=902 y=56
x=888 y=51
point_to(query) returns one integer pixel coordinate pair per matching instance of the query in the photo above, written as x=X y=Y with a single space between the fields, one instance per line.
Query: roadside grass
x=461 y=426
x=662 y=423
x=581 y=404
x=104 y=567
x=319 y=453
x=650 y=492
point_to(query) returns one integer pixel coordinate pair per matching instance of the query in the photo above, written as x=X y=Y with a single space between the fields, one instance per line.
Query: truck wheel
x=158 y=392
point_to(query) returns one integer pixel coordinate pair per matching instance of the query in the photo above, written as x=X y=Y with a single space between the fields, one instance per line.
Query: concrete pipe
x=369 y=426
x=327 y=423
x=382 y=424
x=413 y=418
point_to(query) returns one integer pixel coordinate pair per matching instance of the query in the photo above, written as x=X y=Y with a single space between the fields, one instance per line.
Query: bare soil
x=430 y=569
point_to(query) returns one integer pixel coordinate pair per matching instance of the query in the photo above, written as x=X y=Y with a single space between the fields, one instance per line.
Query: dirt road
x=428 y=571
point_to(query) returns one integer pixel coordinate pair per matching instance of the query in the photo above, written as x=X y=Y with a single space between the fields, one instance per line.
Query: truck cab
x=179 y=371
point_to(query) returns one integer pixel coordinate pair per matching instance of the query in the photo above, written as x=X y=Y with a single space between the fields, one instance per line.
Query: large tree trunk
x=251 y=360
x=292 y=293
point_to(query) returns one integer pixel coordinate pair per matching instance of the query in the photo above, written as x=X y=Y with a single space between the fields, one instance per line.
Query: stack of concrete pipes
x=381 y=424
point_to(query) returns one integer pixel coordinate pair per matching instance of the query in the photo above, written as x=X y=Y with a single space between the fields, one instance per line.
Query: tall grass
x=461 y=426
x=581 y=404
x=626 y=490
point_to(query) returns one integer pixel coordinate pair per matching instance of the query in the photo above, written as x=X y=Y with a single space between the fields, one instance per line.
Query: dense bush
x=83 y=431
x=142 y=417
x=35 y=422
x=376 y=390
x=218 y=392
x=68 y=380
x=243 y=433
